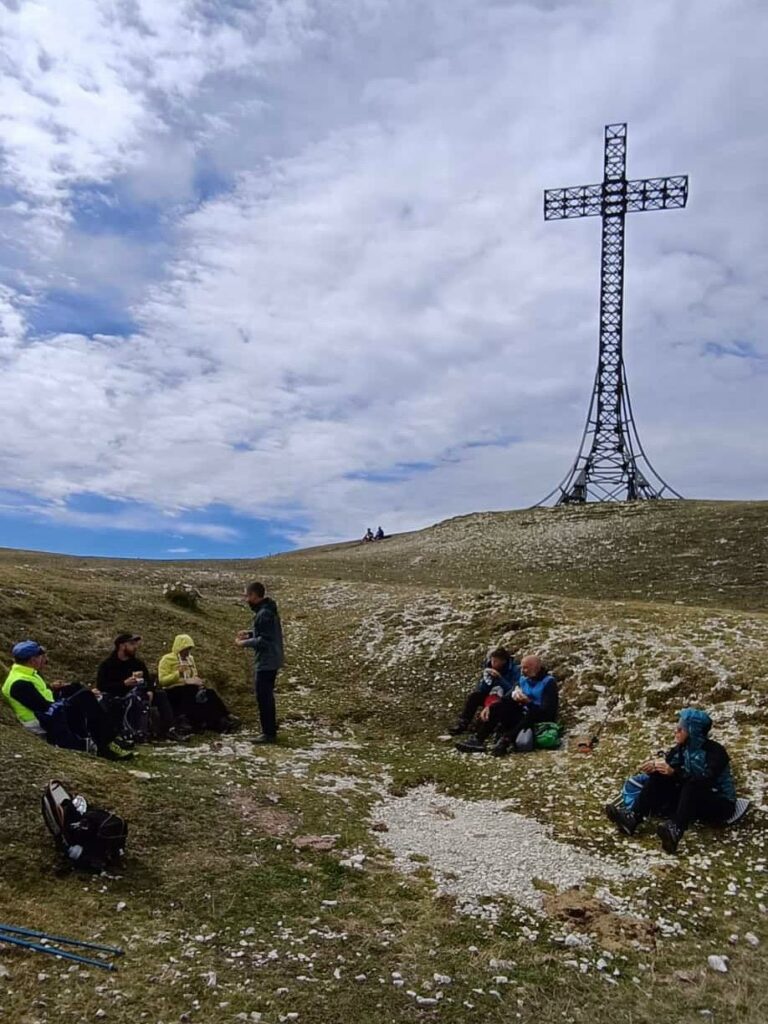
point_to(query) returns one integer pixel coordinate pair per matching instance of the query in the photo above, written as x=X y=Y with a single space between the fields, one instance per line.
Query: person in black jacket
x=693 y=782
x=121 y=673
x=265 y=639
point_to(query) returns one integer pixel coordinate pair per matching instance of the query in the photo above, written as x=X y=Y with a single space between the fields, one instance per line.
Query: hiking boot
x=230 y=723
x=670 y=835
x=178 y=735
x=261 y=740
x=114 y=752
x=124 y=743
x=471 y=746
x=501 y=747
x=625 y=821
x=460 y=727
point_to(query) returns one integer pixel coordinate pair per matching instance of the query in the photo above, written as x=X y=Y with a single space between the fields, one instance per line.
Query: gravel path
x=478 y=849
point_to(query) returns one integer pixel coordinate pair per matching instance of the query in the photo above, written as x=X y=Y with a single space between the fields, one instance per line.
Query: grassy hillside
x=225 y=918
x=699 y=552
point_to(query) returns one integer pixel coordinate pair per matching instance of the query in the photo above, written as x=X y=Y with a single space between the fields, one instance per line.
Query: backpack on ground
x=90 y=837
x=547 y=735
x=524 y=741
x=136 y=721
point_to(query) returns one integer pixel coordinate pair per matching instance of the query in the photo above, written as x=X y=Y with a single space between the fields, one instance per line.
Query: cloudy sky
x=272 y=271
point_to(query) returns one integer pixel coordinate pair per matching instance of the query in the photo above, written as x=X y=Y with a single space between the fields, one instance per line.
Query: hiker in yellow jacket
x=190 y=698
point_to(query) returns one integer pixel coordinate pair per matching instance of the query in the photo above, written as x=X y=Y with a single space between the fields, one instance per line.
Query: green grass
x=379 y=648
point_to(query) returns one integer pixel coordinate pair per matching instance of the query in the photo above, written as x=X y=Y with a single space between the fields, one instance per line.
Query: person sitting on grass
x=66 y=716
x=693 y=782
x=501 y=674
x=123 y=673
x=534 y=699
x=201 y=706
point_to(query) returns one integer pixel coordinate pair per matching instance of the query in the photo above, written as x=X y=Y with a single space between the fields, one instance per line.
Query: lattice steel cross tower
x=611 y=464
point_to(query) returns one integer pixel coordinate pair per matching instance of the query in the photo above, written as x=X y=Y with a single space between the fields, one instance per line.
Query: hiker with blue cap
x=692 y=782
x=68 y=716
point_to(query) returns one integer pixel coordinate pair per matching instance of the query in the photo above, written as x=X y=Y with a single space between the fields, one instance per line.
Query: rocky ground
x=363 y=869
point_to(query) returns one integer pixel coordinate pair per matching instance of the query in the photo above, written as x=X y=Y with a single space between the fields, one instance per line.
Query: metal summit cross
x=611 y=464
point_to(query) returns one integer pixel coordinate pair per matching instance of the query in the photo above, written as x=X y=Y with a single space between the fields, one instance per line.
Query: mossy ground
x=224 y=916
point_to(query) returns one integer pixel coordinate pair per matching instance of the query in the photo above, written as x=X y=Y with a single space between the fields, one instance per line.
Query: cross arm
x=657 y=194
x=581 y=201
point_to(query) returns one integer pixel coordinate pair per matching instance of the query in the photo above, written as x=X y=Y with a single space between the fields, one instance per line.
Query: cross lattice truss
x=611 y=464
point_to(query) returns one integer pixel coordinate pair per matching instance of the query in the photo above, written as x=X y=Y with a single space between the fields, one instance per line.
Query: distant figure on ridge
x=535 y=699
x=265 y=639
x=190 y=698
x=501 y=674
x=368 y=536
x=692 y=782
x=68 y=716
x=380 y=535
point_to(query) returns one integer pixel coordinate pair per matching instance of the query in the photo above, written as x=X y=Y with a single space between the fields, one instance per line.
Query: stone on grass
x=718 y=963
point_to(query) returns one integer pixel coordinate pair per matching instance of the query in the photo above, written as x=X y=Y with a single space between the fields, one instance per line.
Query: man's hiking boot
x=501 y=747
x=230 y=724
x=124 y=743
x=459 y=727
x=625 y=821
x=114 y=752
x=263 y=739
x=471 y=746
x=670 y=835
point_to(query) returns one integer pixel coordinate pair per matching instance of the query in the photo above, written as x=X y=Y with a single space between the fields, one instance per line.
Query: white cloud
x=379 y=288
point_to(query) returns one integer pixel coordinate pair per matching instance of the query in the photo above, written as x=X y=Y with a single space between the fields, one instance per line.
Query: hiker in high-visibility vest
x=68 y=716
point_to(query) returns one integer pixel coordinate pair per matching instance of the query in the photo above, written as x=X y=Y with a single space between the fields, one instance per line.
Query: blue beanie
x=26 y=649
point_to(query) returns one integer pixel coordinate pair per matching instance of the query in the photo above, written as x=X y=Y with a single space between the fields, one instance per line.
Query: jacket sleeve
x=168 y=670
x=26 y=693
x=263 y=631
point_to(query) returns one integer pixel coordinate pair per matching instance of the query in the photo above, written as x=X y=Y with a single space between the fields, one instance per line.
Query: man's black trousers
x=264 y=686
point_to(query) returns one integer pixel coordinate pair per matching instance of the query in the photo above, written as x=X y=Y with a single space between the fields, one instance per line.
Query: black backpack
x=136 y=716
x=90 y=837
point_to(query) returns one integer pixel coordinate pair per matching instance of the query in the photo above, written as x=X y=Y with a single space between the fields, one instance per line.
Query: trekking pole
x=55 y=951
x=586 y=746
x=30 y=932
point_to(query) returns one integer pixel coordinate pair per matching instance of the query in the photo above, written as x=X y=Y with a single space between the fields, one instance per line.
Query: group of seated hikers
x=691 y=782
x=127 y=705
x=508 y=699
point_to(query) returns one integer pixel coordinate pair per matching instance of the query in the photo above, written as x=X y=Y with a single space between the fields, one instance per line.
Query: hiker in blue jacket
x=534 y=699
x=500 y=676
x=693 y=782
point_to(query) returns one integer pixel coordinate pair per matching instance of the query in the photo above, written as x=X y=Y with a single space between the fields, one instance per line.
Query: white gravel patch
x=480 y=849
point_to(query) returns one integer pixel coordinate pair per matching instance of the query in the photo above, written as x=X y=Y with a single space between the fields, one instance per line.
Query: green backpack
x=547 y=735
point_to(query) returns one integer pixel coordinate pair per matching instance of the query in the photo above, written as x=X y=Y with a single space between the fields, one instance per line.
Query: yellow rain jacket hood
x=171 y=670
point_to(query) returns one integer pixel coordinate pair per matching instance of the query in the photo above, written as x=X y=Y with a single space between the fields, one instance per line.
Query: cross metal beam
x=611 y=464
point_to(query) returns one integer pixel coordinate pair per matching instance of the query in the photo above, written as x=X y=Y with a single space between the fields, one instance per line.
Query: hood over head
x=697 y=724
x=182 y=641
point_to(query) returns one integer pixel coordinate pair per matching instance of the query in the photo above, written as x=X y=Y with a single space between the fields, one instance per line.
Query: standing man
x=266 y=641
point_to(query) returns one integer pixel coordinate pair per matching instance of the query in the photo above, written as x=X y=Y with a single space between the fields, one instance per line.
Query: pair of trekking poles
x=41 y=942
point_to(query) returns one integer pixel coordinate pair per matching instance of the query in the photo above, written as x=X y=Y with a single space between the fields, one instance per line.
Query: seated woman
x=534 y=699
x=693 y=782
x=190 y=698
x=501 y=674
x=66 y=716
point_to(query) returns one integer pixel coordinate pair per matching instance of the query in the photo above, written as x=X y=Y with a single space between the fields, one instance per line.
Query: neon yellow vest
x=18 y=672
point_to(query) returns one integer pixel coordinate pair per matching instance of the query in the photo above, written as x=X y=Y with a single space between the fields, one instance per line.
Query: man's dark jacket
x=113 y=671
x=267 y=639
